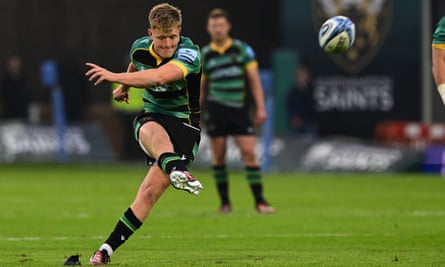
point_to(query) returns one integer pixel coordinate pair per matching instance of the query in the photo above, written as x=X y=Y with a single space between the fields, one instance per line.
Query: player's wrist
x=125 y=88
x=441 y=89
x=122 y=88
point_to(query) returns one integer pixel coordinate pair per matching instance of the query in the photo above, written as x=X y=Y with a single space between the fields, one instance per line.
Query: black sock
x=124 y=228
x=169 y=162
x=254 y=179
x=222 y=183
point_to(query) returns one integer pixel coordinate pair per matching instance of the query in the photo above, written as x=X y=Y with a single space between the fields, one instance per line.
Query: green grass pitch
x=48 y=212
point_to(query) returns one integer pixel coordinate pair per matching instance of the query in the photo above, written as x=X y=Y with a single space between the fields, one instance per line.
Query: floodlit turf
x=49 y=212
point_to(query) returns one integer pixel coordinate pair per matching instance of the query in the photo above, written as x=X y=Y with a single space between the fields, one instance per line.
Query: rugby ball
x=336 y=35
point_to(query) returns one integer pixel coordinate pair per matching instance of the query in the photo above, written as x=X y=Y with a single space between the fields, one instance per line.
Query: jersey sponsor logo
x=372 y=19
x=221 y=60
x=187 y=55
x=232 y=71
x=210 y=63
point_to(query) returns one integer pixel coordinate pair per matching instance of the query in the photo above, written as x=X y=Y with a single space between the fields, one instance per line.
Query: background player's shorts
x=185 y=137
x=223 y=121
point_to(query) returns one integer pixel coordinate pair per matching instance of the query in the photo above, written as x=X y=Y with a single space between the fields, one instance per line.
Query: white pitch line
x=216 y=236
x=424 y=213
x=415 y=213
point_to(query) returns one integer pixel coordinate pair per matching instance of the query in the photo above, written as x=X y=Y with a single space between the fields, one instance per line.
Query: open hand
x=99 y=74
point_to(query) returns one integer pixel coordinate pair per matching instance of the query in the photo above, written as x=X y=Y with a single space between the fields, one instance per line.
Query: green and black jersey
x=439 y=35
x=225 y=72
x=179 y=98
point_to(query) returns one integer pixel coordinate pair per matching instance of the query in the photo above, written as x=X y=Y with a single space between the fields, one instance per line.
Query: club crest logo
x=372 y=19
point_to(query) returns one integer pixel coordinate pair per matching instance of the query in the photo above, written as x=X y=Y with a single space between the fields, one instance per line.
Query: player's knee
x=146 y=130
x=249 y=157
x=218 y=156
x=218 y=161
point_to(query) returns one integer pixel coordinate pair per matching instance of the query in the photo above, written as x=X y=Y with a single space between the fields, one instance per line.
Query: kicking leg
x=155 y=183
x=155 y=141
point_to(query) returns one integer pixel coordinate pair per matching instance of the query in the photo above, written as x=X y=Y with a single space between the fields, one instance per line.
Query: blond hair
x=165 y=17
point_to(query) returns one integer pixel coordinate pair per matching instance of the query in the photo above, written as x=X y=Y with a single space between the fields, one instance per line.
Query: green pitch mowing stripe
x=48 y=212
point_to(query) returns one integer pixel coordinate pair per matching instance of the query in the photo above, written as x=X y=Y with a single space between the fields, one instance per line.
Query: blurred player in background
x=168 y=66
x=14 y=90
x=300 y=104
x=229 y=71
x=438 y=60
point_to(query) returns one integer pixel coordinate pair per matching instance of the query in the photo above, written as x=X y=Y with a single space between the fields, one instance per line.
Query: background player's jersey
x=225 y=71
x=439 y=35
x=180 y=98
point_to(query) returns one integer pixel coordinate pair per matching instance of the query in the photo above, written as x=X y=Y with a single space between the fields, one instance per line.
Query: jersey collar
x=221 y=49
x=154 y=54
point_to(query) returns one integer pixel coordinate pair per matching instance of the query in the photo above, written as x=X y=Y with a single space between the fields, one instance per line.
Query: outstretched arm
x=140 y=79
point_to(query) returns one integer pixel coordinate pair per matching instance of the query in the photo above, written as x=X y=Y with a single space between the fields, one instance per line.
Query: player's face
x=165 y=43
x=218 y=29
